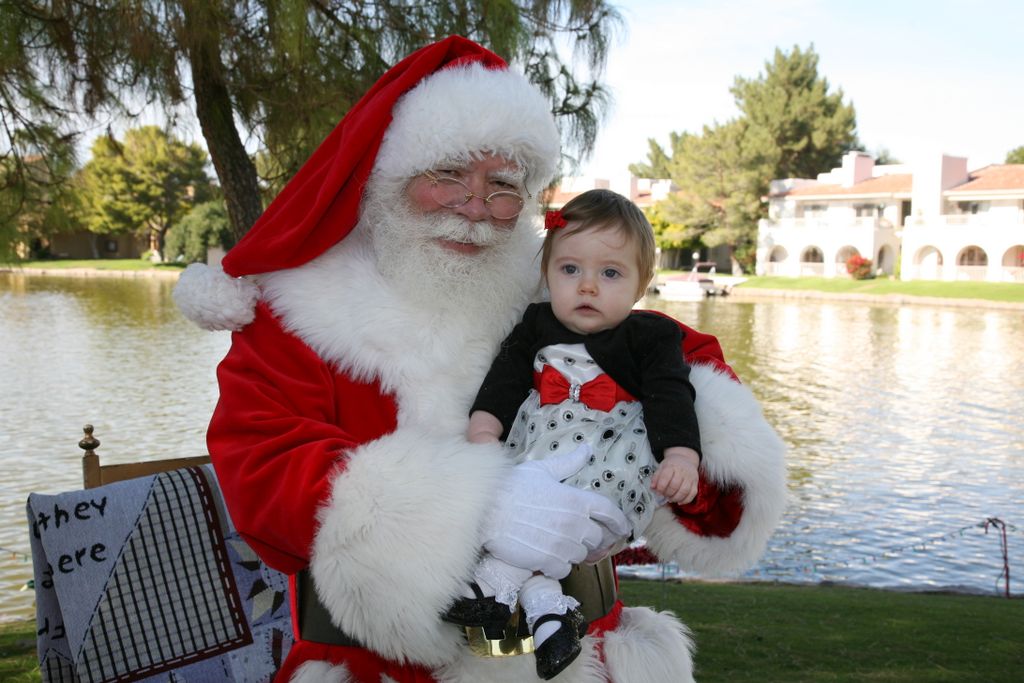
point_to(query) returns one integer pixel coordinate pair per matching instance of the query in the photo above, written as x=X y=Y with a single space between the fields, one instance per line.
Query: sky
x=925 y=76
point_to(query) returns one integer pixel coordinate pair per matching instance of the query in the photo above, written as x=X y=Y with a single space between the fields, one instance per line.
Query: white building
x=937 y=220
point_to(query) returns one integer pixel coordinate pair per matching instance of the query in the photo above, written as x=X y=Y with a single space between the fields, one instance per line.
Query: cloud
x=923 y=76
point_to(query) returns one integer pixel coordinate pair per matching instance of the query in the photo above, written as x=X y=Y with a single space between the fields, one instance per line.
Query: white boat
x=693 y=286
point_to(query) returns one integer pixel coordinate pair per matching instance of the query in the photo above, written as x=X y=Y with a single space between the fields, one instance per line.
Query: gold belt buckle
x=509 y=646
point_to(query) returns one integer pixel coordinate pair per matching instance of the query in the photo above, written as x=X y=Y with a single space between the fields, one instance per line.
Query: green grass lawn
x=18 y=662
x=990 y=291
x=99 y=264
x=821 y=634
x=768 y=633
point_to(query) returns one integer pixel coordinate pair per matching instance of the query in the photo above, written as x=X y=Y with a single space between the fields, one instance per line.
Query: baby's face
x=593 y=279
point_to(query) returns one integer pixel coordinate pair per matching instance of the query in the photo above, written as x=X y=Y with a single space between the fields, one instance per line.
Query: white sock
x=540 y=596
x=499 y=580
x=544 y=631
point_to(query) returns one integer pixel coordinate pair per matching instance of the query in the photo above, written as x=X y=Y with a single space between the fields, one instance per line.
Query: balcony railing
x=959 y=220
x=823 y=223
x=804 y=269
x=1012 y=274
x=965 y=273
x=972 y=273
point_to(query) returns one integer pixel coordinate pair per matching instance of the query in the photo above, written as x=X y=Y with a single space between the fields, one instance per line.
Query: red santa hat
x=447 y=101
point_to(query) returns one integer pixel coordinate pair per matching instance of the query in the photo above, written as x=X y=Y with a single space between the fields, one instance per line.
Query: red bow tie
x=599 y=393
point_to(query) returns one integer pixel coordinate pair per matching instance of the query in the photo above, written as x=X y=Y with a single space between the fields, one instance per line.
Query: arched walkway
x=1013 y=263
x=972 y=262
x=812 y=262
x=886 y=259
x=776 y=259
x=928 y=263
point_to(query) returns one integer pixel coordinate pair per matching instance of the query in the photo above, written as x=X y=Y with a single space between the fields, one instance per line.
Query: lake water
x=904 y=423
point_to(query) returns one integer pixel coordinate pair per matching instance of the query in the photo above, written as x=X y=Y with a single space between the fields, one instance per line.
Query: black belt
x=313 y=619
x=592 y=584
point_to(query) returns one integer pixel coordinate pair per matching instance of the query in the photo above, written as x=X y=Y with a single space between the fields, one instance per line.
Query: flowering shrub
x=859 y=267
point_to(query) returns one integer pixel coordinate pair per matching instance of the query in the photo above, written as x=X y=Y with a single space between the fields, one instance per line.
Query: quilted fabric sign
x=146 y=579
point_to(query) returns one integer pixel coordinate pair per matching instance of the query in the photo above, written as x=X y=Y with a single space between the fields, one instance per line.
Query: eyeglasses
x=452 y=193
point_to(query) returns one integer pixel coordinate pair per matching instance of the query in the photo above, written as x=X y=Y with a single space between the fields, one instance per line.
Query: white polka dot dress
x=622 y=463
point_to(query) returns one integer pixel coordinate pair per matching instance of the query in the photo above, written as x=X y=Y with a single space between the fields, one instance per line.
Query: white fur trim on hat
x=464 y=110
x=214 y=300
x=740 y=448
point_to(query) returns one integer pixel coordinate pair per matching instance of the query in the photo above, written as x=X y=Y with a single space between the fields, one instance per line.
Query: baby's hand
x=676 y=477
x=483 y=428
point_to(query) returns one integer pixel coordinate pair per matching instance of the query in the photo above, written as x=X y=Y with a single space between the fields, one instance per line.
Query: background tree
x=1015 y=156
x=659 y=162
x=275 y=75
x=719 y=177
x=884 y=156
x=799 y=127
x=790 y=125
x=143 y=185
x=34 y=202
x=205 y=226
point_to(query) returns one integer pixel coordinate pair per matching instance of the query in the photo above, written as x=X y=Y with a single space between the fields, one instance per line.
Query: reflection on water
x=111 y=352
x=903 y=423
x=904 y=432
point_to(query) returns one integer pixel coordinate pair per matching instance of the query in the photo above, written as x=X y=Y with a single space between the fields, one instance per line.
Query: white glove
x=542 y=525
x=610 y=545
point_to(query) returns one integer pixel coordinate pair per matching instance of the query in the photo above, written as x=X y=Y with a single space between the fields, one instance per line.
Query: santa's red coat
x=338 y=443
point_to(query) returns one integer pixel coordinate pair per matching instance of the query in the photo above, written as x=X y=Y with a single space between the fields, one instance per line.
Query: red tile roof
x=895 y=183
x=993 y=178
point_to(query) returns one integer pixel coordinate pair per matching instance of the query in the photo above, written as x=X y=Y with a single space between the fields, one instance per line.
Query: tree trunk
x=235 y=170
x=159 y=240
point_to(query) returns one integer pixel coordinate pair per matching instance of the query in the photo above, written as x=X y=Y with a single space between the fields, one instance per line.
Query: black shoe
x=485 y=612
x=563 y=646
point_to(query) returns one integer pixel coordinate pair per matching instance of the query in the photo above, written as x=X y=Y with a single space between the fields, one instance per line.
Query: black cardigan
x=643 y=355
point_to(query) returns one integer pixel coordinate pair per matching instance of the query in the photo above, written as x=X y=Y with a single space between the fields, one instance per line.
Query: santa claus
x=366 y=313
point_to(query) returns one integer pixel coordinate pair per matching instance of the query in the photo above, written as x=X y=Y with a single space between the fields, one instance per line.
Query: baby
x=585 y=370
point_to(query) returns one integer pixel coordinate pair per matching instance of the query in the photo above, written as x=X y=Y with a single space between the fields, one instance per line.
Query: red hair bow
x=554 y=220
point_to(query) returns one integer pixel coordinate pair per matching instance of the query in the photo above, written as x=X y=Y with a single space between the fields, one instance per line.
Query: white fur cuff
x=399 y=538
x=740 y=448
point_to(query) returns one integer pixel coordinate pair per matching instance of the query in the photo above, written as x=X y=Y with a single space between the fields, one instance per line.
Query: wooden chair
x=94 y=474
x=101 y=553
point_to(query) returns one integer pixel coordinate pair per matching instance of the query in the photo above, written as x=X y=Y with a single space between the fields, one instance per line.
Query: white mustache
x=480 y=233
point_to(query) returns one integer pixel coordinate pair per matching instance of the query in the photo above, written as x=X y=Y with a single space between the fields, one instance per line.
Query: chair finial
x=89 y=443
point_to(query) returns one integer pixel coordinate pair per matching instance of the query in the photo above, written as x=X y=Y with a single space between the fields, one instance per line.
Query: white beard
x=502 y=276
x=424 y=314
